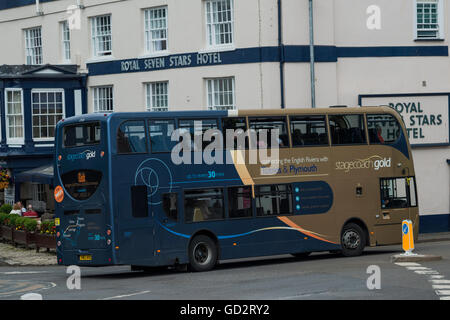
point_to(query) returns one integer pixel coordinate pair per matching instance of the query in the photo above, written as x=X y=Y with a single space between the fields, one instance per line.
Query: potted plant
x=24 y=231
x=3 y=222
x=46 y=237
x=8 y=226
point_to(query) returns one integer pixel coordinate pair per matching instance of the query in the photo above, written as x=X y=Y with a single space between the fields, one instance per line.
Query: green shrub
x=30 y=225
x=4 y=218
x=20 y=223
x=6 y=208
x=12 y=219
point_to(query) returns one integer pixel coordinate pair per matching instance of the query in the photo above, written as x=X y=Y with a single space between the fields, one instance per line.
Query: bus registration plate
x=86 y=257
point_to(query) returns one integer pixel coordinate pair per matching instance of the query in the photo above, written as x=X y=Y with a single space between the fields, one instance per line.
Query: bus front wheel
x=352 y=240
x=202 y=253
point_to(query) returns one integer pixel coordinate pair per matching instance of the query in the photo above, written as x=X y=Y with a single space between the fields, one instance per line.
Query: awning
x=42 y=175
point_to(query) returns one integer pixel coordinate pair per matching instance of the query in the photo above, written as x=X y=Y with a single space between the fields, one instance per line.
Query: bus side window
x=264 y=128
x=139 y=201
x=160 y=135
x=197 y=127
x=383 y=128
x=131 y=137
x=308 y=131
x=235 y=133
x=240 y=202
x=273 y=200
x=347 y=129
x=170 y=206
x=203 y=204
x=398 y=193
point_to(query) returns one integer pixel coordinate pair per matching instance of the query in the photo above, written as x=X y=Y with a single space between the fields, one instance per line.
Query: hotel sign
x=426 y=116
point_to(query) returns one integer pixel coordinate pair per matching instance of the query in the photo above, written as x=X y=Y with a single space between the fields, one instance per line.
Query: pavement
x=20 y=256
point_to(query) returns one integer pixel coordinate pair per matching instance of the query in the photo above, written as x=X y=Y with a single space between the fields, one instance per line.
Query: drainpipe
x=39 y=12
x=281 y=53
x=311 y=54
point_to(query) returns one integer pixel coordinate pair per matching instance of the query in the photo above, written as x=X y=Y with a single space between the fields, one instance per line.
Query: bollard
x=407 y=237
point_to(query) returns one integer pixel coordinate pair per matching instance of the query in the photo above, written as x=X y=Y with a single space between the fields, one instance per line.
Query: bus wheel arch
x=355 y=232
x=203 y=243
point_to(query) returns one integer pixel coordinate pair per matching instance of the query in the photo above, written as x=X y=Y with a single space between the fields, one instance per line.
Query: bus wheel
x=202 y=253
x=352 y=240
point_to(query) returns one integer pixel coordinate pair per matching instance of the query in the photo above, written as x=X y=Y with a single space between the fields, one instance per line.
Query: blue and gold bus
x=343 y=180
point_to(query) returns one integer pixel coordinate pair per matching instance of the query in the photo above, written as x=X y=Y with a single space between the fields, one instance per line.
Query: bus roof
x=230 y=113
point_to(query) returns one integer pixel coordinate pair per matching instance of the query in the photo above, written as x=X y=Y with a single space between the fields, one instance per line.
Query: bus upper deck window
x=131 y=137
x=265 y=128
x=160 y=135
x=383 y=128
x=308 y=131
x=347 y=129
x=82 y=134
x=197 y=127
x=235 y=133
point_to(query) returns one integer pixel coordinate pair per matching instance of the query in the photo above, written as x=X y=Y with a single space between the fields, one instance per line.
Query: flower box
x=43 y=240
x=23 y=237
x=7 y=233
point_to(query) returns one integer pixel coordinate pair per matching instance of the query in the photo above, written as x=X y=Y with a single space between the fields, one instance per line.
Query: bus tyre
x=352 y=240
x=202 y=253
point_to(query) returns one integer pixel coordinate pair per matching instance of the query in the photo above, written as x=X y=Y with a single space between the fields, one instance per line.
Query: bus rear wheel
x=203 y=253
x=352 y=240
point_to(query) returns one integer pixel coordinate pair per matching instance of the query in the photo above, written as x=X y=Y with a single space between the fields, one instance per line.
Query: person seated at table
x=30 y=212
x=16 y=209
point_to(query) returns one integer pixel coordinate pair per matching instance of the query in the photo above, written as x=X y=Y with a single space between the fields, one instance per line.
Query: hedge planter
x=7 y=233
x=44 y=241
x=23 y=237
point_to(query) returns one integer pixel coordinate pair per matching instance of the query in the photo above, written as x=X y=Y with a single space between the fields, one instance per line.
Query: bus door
x=136 y=224
x=397 y=197
x=167 y=214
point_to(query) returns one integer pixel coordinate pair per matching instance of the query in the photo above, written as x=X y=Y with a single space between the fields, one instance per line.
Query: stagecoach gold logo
x=376 y=162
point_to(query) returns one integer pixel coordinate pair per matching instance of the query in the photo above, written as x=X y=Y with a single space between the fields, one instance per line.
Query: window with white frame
x=103 y=99
x=101 y=36
x=14 y=116
x=65 y=32
x=429 y=23
x=219 y=22
x=157 y=96
x=47 y=109
x=39 y=193
x=33 y=46
x=155 y=29
x=220 y=93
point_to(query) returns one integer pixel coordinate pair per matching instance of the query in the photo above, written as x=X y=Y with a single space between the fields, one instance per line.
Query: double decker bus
x=343 y=180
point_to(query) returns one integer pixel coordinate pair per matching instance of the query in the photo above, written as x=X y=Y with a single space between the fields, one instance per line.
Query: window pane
x=383 y=128
x=308 y=131
x=273 y=200
x=170 y=206
x=131 y=137
x=234 y=130
x=347 y=129
x=394 y=193
x=81 y=134
x=265 y=128
x=220 y=93
x=203 y=204
x=197 y=127
x=160 y=135
x=240 y=202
